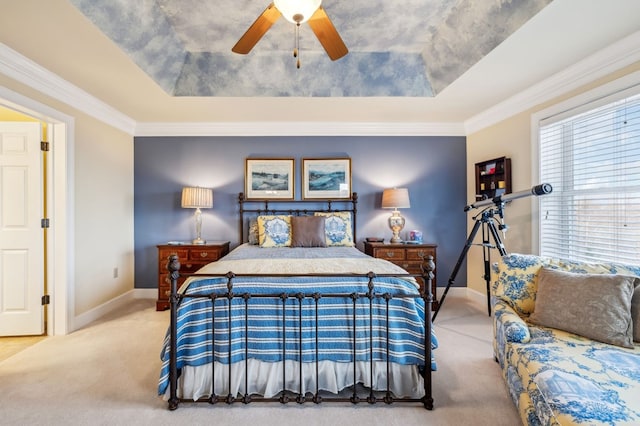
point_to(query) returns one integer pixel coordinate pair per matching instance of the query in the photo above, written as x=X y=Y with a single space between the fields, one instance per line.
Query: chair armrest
x=514 y=328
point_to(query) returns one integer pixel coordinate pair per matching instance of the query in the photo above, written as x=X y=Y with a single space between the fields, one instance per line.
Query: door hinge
x=44 y=223
x=46 y=300
x=44 y=146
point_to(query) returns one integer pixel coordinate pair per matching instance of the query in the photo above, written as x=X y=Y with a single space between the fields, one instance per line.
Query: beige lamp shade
x=395 y=198
x=196 y=197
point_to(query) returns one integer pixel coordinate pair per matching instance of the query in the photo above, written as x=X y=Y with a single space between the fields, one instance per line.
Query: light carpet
x=107 y=374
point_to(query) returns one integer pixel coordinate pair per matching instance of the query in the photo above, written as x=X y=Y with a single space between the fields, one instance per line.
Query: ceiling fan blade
x=257 y=30
x=327 y=34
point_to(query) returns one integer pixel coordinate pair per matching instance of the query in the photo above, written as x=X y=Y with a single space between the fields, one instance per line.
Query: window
x=591 y=157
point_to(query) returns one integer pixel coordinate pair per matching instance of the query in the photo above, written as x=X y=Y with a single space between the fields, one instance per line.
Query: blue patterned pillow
x=338 y=228
x=274 y=231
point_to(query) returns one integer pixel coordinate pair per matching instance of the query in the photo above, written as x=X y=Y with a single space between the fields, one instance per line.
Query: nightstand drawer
x=419 y=253
x=164 y=253
x=392 y=254
x=409 y=266
x=187 y=267
x=192 y=258
x=210 y=254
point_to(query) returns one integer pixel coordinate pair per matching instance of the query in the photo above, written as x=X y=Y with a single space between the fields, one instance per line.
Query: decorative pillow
x=253 y=232
x=596 y=306
x=515 y=282
x=513 y=326
x=274 y=231
x=635 y=311
x=338 y=228
x=308 y=231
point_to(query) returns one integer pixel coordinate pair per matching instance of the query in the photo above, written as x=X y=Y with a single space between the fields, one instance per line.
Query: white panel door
x=21 y=235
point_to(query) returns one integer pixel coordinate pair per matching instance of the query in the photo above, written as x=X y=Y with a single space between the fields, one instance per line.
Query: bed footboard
x=376 y=317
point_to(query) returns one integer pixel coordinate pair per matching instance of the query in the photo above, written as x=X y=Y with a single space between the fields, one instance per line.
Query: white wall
x=102 y=212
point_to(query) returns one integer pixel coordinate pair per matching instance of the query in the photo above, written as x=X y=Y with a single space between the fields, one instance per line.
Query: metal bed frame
x=355 y=394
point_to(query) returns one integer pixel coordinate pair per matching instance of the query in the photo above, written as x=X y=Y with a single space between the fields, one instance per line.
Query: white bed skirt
x=265 y=378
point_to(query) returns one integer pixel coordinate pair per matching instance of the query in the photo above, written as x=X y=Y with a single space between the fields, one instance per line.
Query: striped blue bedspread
x=257 y=323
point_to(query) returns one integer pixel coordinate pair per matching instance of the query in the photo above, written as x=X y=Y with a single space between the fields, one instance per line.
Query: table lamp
x=197 y=198
x=396 y=198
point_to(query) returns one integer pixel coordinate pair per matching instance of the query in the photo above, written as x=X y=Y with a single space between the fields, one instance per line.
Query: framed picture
x=326 y=178
x=269 y=178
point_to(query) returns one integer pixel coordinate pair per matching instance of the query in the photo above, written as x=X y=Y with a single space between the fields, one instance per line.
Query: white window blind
x=592 y=160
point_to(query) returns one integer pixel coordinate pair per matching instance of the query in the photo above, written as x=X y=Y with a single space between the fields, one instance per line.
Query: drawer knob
x=421 y=254
x=389 y=254
x=203 y=254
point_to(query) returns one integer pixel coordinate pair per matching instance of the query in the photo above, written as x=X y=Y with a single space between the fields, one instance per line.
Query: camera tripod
x=485 y=220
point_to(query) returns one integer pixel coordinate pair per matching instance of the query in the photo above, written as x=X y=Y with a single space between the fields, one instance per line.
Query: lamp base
x=396 y=223
x=198 y=241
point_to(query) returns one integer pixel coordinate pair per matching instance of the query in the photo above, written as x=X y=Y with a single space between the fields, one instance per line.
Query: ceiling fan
x=296 y=12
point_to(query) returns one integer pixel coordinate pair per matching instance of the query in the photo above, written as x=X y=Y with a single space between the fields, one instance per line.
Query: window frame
x=615 y=90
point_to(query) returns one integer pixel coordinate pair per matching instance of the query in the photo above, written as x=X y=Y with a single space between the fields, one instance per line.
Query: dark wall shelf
x=493 y=178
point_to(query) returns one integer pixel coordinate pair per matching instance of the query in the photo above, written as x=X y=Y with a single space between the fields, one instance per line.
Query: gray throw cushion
x=308 y=231
x=635 y=311
x=596 y=306
x=253 y=232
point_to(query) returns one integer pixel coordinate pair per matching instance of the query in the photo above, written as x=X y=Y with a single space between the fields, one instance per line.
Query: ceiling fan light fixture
x=297 y=11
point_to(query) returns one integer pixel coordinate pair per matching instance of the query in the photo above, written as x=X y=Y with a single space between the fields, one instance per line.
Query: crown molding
x=299 y=129
x=623 y=53
x=25 y=71
x=613 y=58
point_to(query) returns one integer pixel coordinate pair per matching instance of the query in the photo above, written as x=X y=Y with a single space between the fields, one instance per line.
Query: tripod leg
x=456 y=268
x=486 y=253
x=487 y=261
x=496 y=237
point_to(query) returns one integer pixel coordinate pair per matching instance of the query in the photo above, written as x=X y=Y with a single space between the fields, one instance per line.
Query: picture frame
x=326 y=178
x=269 y=178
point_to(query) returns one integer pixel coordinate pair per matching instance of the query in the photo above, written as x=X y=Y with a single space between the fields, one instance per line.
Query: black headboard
x=290 y=207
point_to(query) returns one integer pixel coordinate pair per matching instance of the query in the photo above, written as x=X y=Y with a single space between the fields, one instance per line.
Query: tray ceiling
x=399 y=48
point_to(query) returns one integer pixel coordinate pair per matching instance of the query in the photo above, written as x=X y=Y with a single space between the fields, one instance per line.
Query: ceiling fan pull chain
x=296 y=49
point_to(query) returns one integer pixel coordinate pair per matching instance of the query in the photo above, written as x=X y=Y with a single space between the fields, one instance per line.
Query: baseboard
x=88 y=317
x=478 y=299
x=145 y=293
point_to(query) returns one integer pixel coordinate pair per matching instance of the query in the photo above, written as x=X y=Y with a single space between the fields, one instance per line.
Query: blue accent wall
x=432 y=168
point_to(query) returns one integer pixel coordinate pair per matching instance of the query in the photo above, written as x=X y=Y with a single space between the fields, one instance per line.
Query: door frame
x=60 y=199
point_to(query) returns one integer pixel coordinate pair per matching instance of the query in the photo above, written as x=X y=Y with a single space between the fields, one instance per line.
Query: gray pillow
x=635 y=311
x=596 y=306
x=308 y=231
x=253 y=232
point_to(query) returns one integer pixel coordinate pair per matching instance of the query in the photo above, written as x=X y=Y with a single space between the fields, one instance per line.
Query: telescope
x=542 y=189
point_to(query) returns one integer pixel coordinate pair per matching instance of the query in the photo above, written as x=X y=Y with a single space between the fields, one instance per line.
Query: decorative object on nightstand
x=191 y=257
x=396 y=198
x=197 y=198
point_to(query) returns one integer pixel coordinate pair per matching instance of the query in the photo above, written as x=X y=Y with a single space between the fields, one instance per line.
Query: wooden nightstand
x=408 y=257
x=192 y=257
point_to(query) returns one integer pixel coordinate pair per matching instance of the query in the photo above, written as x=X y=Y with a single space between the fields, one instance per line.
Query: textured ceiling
x=403 y=48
